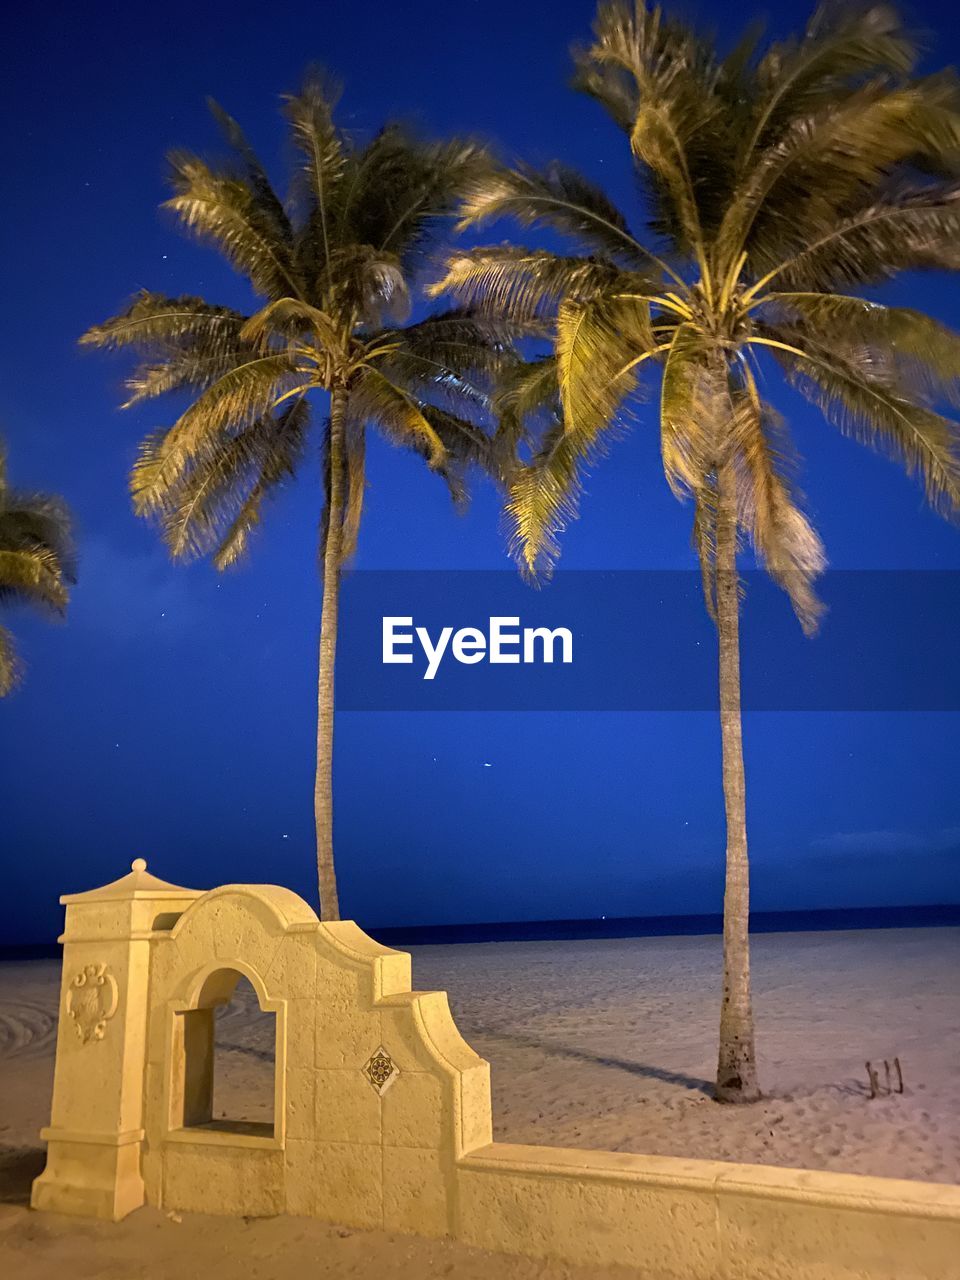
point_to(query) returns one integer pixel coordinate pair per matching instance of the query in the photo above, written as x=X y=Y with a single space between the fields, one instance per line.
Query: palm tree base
x=733 y=1089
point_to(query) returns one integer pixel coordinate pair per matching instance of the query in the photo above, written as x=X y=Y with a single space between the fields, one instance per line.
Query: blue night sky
x=173 y=715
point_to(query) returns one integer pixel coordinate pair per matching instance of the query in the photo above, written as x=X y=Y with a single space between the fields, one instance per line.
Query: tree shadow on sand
x=645 y=1069
x=18 y=1168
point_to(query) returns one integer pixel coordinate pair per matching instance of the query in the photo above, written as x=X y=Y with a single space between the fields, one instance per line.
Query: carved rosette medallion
x=381 y=1070
x=92 y=1001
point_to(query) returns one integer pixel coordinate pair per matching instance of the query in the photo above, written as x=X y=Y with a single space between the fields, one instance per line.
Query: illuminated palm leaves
x=778 y=180
x=558 y=198
x=906 y=228
x=229 y=212
x=522 y=283
x=595 y=369
x=36 y=561
x=332 y=265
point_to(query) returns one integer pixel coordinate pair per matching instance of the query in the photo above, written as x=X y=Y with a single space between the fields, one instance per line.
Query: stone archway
x=197 y=1058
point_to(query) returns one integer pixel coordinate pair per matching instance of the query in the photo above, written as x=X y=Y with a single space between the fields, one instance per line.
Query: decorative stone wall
x=381 y=1113
x=376 y=1093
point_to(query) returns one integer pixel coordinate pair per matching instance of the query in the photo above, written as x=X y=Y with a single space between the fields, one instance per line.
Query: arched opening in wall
x=225 y=1060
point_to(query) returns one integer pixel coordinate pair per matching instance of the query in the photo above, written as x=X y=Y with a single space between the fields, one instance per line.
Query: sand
x=606 y=1044
x=612 y=1045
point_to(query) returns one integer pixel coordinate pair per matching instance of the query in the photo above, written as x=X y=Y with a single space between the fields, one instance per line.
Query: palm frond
x=785 y=542
x=286 y=319
x=355 y=466
x=156 y=325
x=280 y=461
x=399 y=190
x=236 y=401
x=868 y=405
x=253 y=172
x=662 y=83
x=466 y=444
x=37 y=553
x=544 y=496
x=600 y=345
x=215 y=503
x=186 y=343
x=841 y=46
x=192 y=371
x=570 y=401
x=453 y=359
x=835 y=160
x=224 y=210
x=905 y=229
x=32 y=573
x=526 y=405
x=559 y=199
x=37 y=561
x=610 y=80
x=529 y=285
x=316 y=188
x=704 y=539
x=693 y=410
x=375 y=401
x=920 y=353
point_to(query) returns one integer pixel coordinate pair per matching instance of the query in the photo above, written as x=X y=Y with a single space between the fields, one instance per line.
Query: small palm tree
x=333 y=267
x=37 y=564
x=780 y=183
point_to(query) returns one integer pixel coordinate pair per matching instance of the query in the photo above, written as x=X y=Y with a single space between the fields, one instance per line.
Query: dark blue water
x=926 y=917
x=670 y=926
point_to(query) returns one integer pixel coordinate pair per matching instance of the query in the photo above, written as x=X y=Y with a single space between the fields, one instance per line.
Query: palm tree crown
x=781 y=183
x=333 y=266
x=37 y=564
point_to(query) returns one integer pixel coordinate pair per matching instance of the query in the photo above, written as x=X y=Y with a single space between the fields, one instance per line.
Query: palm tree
x=332 y=267
x=781 y=182
x=37 y=564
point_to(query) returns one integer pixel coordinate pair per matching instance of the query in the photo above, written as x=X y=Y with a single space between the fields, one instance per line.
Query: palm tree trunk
x=736 y=1068
x=323 y=787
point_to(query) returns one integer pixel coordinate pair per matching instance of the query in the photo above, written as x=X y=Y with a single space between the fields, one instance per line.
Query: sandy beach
x=606 y=1044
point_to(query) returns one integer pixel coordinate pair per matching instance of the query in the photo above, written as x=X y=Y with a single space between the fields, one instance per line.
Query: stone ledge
x=53 y=1134
x=754 y=1222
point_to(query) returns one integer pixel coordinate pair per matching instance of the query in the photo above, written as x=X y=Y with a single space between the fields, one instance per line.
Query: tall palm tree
x=781 y=182
x=332 y=267
x=37 y=565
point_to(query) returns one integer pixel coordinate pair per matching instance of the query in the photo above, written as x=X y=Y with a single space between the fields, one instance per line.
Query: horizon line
x=688 y=924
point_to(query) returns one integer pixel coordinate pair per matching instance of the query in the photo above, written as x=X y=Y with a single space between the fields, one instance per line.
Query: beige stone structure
x=382 y=1112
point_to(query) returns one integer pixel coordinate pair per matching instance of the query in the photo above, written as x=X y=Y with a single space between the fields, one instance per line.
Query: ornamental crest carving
x=92 y=1001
